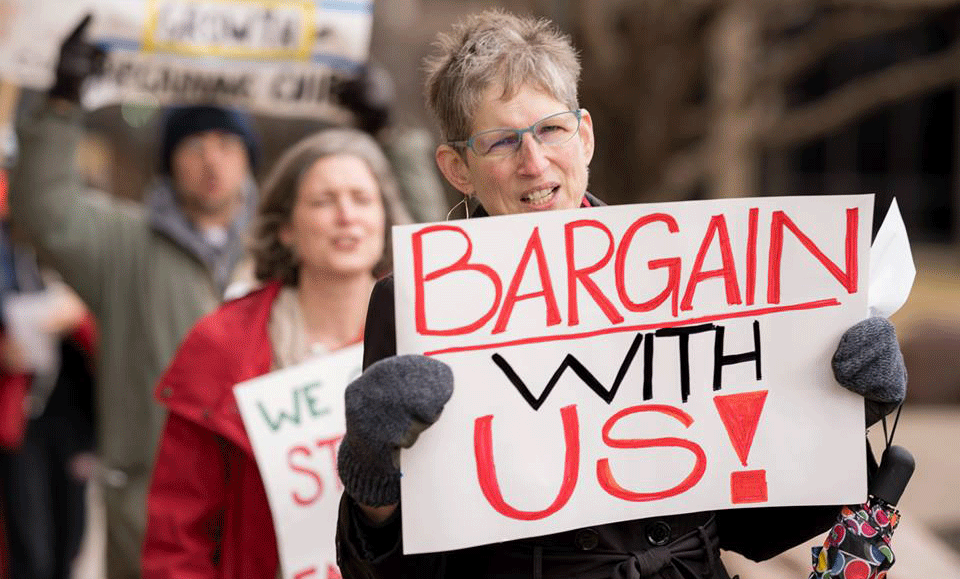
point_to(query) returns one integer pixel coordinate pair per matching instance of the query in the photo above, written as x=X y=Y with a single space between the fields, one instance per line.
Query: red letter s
x=605 y=475
x=312 y=475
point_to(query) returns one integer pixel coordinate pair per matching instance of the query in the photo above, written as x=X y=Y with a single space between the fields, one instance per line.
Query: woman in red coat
x=320 y=237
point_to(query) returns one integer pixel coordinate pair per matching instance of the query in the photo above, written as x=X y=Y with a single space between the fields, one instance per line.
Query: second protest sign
x=294 y=419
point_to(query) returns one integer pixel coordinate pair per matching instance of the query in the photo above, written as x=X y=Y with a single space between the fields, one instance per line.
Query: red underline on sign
x=642 y=327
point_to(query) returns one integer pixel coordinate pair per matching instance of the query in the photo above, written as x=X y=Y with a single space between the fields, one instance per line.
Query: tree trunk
x=732 y=151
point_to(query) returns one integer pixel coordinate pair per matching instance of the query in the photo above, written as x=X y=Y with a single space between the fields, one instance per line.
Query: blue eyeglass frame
x=519 y=132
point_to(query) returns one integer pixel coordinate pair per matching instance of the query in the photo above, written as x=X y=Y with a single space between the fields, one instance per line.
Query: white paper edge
x=892 y=270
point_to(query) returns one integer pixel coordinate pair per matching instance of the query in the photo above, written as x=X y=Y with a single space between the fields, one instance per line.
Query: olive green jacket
x=145 y=290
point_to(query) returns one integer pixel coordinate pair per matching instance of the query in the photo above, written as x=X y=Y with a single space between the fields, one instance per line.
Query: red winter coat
x=207 y=510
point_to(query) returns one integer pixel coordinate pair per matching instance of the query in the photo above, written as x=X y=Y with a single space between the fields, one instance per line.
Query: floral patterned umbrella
x=858 y=546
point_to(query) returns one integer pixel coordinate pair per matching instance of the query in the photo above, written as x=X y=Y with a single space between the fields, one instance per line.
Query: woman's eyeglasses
x=552 y=130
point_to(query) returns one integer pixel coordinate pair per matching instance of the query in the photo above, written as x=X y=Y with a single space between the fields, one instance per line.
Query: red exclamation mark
x=741 y=414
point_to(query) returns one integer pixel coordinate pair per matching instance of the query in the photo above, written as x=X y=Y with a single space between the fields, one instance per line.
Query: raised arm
x=82 y=232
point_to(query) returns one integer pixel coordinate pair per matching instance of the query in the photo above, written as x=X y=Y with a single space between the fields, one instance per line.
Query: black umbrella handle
x=896 y=468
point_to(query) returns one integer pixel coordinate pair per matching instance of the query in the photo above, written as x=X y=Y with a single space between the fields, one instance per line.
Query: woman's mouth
x=540 y=197
x=345 y=242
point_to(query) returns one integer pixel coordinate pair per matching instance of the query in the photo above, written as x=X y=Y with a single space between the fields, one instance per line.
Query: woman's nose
x=345 y=209
x=533 y=158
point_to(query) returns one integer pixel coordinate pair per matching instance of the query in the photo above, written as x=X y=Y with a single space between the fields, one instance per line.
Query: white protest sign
x=623 y=362
x=278 y=57
x=294 y=419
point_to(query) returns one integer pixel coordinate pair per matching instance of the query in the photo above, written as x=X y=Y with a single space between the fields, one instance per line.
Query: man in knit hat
x=148 y=272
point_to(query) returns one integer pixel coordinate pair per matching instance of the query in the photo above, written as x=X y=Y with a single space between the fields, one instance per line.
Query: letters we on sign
x=294 y=419
x=623 y=362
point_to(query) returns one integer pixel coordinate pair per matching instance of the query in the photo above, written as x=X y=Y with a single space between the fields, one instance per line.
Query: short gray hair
x=272 y=259
x=496 y=47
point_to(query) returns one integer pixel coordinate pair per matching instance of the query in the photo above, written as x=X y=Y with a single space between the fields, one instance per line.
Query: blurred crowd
x=98 y=293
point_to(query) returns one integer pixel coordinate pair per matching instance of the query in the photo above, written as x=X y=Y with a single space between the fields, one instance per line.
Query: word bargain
x=578 y=276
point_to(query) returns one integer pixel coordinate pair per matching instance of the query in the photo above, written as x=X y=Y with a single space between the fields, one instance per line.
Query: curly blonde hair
x=272 y=260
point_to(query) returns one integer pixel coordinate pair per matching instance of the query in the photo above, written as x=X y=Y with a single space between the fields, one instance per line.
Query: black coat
x=673 y=547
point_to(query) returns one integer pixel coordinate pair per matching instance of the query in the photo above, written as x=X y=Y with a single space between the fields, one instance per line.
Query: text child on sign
x=319 y=239
x=504 y=90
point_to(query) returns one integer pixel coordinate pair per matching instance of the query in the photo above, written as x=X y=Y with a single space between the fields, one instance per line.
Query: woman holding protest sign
x=504 y=90
x=320 y=238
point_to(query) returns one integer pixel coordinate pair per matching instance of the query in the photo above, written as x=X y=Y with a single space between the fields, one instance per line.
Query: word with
x=490 y=486
x=302 y=396
x=682 y=333
x=577 y=276
x=230 y=26
x=313 y=473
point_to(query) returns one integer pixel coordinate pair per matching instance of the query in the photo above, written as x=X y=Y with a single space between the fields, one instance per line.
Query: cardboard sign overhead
x=277 y=57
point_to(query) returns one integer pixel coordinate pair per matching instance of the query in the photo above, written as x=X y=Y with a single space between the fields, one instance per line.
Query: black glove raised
x=868 y=361
x=387 y=408
x=78 y=60
x=370 y=97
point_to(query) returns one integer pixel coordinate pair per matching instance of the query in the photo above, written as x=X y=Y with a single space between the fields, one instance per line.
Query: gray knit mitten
x=387 y=408
x=868 y=361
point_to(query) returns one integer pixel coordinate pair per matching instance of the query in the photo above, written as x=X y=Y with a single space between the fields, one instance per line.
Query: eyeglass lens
x=553 y=130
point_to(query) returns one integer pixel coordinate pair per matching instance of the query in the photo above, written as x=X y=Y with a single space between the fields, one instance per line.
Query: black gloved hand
x=868 y=361
x=78 y=60
x=370 y=97
x=387 y=408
